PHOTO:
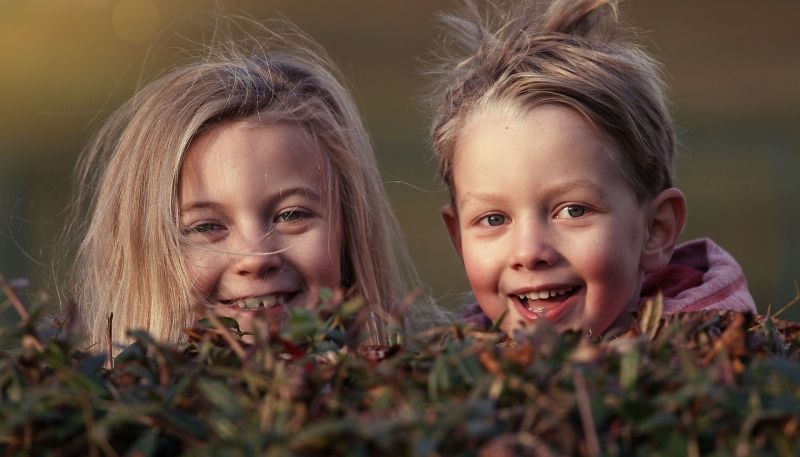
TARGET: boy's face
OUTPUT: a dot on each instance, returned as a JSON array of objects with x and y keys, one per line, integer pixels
[
  {"x": 254, "y": 210},
  {"x": 543, "y": 220}
]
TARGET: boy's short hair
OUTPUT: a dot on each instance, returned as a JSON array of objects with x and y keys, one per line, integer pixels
[{"x": 568, "y": 52}]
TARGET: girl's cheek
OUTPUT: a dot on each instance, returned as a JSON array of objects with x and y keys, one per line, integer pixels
[{"x": 203, "y": 270}]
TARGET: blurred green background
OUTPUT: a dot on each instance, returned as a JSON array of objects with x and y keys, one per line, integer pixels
[{"x": 733, "y": 68}]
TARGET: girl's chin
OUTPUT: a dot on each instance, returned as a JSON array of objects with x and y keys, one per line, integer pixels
[{"x": 262, "y": 320}]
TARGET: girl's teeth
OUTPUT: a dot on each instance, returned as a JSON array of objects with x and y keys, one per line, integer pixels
[{"x": 266, "y": 301}]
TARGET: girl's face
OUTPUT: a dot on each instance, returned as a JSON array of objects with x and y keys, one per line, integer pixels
[
  {"x": 257, "y": 216},
  {"x": 543, "y": 220}
]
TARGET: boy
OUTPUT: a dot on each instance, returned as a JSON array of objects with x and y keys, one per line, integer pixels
[{"x": 556, "y": 145}]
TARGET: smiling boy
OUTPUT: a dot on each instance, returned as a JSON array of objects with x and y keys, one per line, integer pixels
[{"x": 554, "y": 140}]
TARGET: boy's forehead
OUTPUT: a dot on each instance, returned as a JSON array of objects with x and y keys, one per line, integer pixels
[{"x": 553, "y": 145}]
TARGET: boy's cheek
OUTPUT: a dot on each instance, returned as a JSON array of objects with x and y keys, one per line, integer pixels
[
  {"x": 478, "y": 269},
  {"x": 483, "y": 279}
]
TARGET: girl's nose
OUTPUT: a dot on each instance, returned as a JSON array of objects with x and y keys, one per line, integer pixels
[
  {"x": 259, "y": 258},
  {"x": 533, "y": 248}
]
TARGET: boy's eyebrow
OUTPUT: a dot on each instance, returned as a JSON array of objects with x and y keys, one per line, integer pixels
[
  {"x": 566, "y": 186},
  {"x": 307, "y": 192},
  {"x": 556, "y": 189},
  {"x": 485, "y": 196}
]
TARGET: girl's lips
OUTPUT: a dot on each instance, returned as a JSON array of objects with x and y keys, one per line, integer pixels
[
  {"x": 553, "y": 309},
  {"x": 267, "y": 301}
]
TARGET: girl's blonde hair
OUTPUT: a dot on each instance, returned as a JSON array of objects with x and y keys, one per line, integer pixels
[
  {"x": 130, "y": 260},
  {"x": 568, "y": 52}
]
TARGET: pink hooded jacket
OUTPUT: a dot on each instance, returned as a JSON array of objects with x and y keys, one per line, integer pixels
[{"x": 701, "y": 276}]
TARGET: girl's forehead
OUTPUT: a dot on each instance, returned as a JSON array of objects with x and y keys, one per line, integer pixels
[
  {"x": 227, "y": 140},
  {"x": 247, "y": 152}
]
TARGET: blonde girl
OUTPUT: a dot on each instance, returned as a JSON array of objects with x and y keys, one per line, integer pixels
[{"x": 243, "y": 180}]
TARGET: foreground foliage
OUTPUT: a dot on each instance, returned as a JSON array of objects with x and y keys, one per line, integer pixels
[{"x": 696, "y": 384}]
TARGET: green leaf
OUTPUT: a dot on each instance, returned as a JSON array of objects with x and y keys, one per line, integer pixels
[{"x": 221, "y": 396}]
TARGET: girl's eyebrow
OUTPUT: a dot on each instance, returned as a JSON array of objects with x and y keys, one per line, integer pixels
[
  {"x": 304, "y": 191},
  {"x": 307, "y": 192},
  {"x": 197, "y": 206}
]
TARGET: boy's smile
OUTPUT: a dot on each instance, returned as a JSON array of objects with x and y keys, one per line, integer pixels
[
  {"x": 543, "y": 220},
  {"x": 546, "y": 302}
]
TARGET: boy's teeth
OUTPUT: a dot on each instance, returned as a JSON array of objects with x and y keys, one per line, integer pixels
[
  {"x": 544, "y": 294},
  {"x": 266, "y": 301}
]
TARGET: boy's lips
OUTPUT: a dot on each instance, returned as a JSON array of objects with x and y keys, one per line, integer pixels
[{"x": 551, "y": 302}]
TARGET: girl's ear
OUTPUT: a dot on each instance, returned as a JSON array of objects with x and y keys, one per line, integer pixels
[
  {"x": 666, "y": 216},
  {"x": 450, "y": 216}
]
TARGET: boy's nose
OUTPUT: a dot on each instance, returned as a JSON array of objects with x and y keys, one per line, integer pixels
[{"x": 533, "y": 249}]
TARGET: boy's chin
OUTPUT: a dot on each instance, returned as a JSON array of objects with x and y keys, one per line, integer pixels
[
  {"x": 572, "y": 321},
  {"x": 515, "y": 319},
  {"x": 622, "y": 323}
]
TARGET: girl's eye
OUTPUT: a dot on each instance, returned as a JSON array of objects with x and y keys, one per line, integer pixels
[
  {"x": 572, "y": 212},
  {"x": 494, "y": 220},
  {"x": 205, "y": 227},
  {"x": 205, "y": 232},
  {"x": 292, "y": 215}
]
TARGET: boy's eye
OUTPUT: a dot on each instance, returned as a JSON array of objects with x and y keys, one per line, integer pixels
[
  {"x": 494, "y": 220},
  {"x": 292, "y": 215},
  {"x": 572, "y": 212}
]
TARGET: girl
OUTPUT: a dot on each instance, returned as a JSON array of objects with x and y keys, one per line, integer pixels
[{"x": 244, "y": 180}]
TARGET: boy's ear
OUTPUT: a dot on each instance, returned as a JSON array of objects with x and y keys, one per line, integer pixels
[
  {"x": 450, "y": 217},
  {"x": 666, "y": 216}
]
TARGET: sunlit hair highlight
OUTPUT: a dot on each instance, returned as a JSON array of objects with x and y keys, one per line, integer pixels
[
  {"x": 574, "y": 53},
  {"x": 130, "y": 259}
]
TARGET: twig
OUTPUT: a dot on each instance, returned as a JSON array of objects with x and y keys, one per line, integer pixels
[
  {"x": 585, "y": 410},
  {"x": 794, "y": 301},
  {"x": 537, "y": 445},
  {"x": 70, "y": 319},
  {"x": 13, "y": 298},
  {"x": 226, "y": 335},
  {"x": 109, "y": 335}
]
